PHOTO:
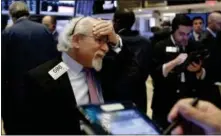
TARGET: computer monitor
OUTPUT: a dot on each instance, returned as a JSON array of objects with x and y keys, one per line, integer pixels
[
  {"x": 60, "y": 25},
  {"x": 104, "y": 6},
  {"x": 57, "y": 7},
  {"x": 6, "y": 3}
]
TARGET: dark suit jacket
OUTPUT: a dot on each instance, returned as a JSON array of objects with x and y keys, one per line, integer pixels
[
  {"x": 50, "y": 104},
  {"x": 167, "y": 90},
  {"x": 132, "y": 78},
  {"x": 25, "y": 45},
  {"x": 116, "y": 82},
  {"x": 213, "y": 63},
  {"x": 191, "y": 37}
]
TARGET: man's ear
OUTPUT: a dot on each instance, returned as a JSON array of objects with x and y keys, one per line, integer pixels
[{"x": 76, "y": 40}]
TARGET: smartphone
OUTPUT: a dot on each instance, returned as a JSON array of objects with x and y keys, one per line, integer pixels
[{"x": 118, "y": 119}]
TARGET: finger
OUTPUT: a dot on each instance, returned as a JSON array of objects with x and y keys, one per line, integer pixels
[
  {"x": 192, "y": 114},
  {"x": 195, "y": 64},
  {"x": 174, "y": 111},
  {"x": 191, "y": 67},
  {"x": 177, "y": 131},
  {"x": 102, "y": 31},
  {"x": 100, "y": 25}
]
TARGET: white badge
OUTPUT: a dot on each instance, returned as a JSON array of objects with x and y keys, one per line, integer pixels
[
  {"x": 171, "y": 49},
  {"x": 58, "y": 70}
]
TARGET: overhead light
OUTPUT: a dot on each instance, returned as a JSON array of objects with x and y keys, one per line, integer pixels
[{"x": 139, "y": 10}]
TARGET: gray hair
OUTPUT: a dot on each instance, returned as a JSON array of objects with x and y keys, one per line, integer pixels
[
  {"x": 18, "y": 9},
  {"x": 66, "y": 36}
]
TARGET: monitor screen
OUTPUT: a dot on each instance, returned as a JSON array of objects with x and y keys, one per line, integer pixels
[
  {"x": 61, "y": 24},
  {"x": 104, "y": 6},
  {"x": 6, "y": 3},
  {"x": 126, "y": 121},
  {"x": 57, "y": 7}
]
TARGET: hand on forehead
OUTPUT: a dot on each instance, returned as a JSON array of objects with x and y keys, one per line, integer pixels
[{"x": 102, "y": 28}]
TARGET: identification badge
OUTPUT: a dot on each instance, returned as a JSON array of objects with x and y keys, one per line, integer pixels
[
  {"x": 171, "y": 49},
  {"x": 58, "y": 70}
]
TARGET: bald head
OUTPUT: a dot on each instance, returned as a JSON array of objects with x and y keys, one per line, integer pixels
[
  {"x": 214, "y": 21},
  {"x": 50, "y": 22}
]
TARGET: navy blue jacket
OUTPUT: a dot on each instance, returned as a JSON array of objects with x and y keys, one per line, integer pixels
[{"x": 25, "y": 45}]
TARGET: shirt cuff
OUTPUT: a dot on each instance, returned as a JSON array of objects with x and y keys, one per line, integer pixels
[
  {"x": 202, "y": 77},
  {"x": 165, "y": 74},
  {"x": 118, "y": 47}
]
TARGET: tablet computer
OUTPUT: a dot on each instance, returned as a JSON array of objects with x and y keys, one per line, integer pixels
[{"x": 118, "y": 118}]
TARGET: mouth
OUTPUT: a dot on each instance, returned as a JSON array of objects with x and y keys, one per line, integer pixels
[{"x": 99, "y": 55}]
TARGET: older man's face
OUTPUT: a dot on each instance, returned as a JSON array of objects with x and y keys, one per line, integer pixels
[{"x": 92, "y": 50}]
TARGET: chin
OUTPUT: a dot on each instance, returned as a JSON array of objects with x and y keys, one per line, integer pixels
[{"x": 97, "y": 63}]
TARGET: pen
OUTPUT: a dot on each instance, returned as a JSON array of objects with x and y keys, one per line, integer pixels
[{"x": 177, "y": 121}]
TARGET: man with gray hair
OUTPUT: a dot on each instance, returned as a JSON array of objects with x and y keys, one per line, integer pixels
[
  {"x": 25, "y": 45},
  {"x": 55, "y": 88}
]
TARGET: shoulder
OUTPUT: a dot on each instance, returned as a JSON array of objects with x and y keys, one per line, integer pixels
[
  {"x": 163, "y": 43},
  {"x": 134, "y": 40},
  {"x": 40, "y": 73}
]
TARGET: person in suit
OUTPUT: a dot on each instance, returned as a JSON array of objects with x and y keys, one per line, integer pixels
[
  {"x": 132, "y": 79},
  {"x": 50, "y": 22},
  {"x": 55, "y": 88},
  {"x": 25, "y": 45},
  {"x": 172, "y": 78},
  {"x": 198, "y": 24},
  {"x": 210, "y": 41}
]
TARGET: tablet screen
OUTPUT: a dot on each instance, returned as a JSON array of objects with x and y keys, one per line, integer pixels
[{"x": 121, "y": 122}]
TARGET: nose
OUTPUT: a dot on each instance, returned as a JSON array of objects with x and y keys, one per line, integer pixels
[{"x": 104, "y": 47}]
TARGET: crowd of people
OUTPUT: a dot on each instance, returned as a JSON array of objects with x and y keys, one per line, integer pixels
[{"x": 45, "y": 75}]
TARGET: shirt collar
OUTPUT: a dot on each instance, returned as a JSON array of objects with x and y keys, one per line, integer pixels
[
  {"x": 20, "y": 19},
  {"x": 121, "y": 30},
  {"x": 196, "y": 35},
  {"x": 74, "y": 66},
  {"x": 54, "y": 32},
  {"x": 172, "y": 39},
  {"x": 211, "y": 32},
  {"x": 174, "y": 42}
]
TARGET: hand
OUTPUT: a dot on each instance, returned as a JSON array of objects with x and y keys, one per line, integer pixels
[
  {"x": 105, "y": 28},
  {"x": 205, "y": 115},
  {"x": 194, "y": 67},
  {"x": 181, "y": 58}
]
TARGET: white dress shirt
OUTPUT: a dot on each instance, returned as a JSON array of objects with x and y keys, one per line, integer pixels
[
  {"x": 77, "y": 79},
  {"x": 211, "y": 31},
  {"x": 196, "y": 36}
]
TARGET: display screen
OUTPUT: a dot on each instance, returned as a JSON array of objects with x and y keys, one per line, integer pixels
[
  {"x": 104, "y": 6},
  {"x": 6, "y": 3},
  {"x": 60, "y": 25},
  {"x": 57, "y": 7},
  {"x": 121, "y": 122}
]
